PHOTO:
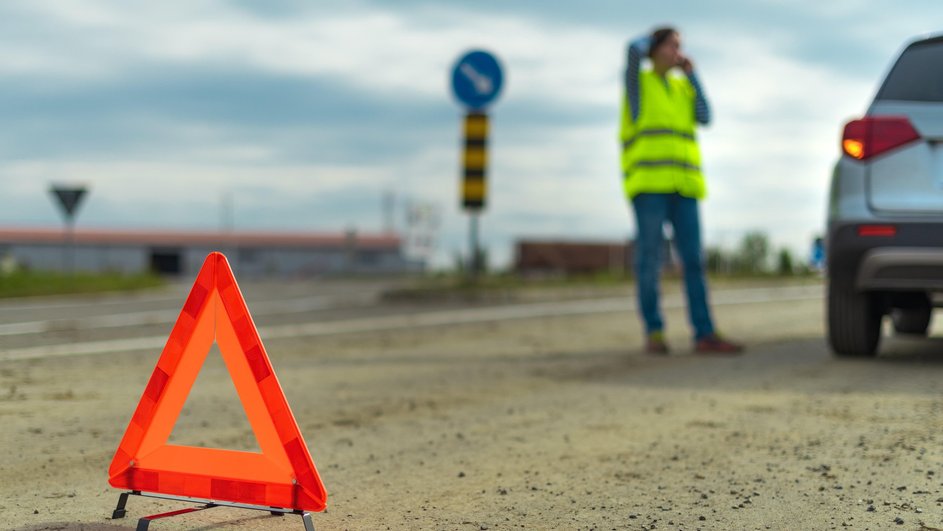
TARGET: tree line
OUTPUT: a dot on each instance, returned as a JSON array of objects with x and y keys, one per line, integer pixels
[{"x": 754, "y": 256}]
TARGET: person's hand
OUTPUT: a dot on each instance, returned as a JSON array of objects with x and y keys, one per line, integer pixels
[{"x": 685, "y": 63}]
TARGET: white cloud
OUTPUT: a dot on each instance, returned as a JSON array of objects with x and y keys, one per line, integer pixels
[
  {"x": 770, "y": 153},
  {"x": 374, "y": 50},
  {"x": 768, "y": 156}
]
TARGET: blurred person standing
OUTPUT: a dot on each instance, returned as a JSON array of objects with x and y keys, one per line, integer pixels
[{"x": 662, "y": 178}]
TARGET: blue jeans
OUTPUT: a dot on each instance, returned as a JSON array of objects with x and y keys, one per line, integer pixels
[{"x": 651, "y": 213}]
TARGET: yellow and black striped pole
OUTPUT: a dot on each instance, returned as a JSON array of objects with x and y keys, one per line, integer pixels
[
  {"x": 475, "y": 161},
  {"x": 474, "y": 184}
]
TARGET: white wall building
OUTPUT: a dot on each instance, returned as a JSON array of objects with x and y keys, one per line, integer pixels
[{"x": 259, "y": 254}]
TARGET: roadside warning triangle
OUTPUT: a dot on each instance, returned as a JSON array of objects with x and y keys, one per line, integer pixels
[{"x": 282, "y": 475}]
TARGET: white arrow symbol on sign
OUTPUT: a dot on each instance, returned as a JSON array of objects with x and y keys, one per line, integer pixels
[{"x": 481, "y": 82}]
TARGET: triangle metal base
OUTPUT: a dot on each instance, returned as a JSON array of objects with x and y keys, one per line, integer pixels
[{"x": 145, "y": 521}]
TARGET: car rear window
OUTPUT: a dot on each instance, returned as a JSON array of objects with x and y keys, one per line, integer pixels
[{"x": 917, "y": 75}]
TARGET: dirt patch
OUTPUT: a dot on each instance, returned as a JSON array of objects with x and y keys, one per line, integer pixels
[{"x": 551, "y": 423}]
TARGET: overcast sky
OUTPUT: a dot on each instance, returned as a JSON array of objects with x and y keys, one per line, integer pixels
[{"x": 306, "y": 112}]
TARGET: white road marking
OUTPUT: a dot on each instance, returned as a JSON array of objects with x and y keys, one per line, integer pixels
[
  {"x": 427, "y": 319},
  {"x": 100, "y": 300},
  {"x": 154, "y": 317}
]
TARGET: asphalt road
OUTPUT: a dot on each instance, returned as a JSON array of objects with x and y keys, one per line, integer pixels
[
  {"x": 36, "y": 329},
  {"x": 540, "y": 414}
]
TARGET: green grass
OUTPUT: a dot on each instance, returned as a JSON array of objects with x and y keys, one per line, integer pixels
[
  {"x": 452, "y": 284},
  {"x": 32, "y": 283},
  {"x": 505, "y": 281},
  {"x": 512, "y": 280}
]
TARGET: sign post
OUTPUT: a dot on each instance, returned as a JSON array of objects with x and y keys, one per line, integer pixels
[
  {"x": 476, "y": 82},
  {"x": 69, "y": 198}
]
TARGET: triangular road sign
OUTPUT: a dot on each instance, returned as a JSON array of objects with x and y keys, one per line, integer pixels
[
  {"x": 282, "y": 475},
  {"x": 69, "y": 198}
]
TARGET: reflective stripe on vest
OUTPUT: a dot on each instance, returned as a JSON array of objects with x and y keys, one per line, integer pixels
[
  {"x": 666, "y": 162},
  {"x": 660, "y": 152},
  {"x": 658, "y": 132}
]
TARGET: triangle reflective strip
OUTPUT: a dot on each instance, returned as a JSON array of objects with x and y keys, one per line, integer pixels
[{"x": 281, "y": 475}]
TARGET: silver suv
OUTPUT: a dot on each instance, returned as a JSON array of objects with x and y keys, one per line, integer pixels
[{"x": 885, "y": 211}]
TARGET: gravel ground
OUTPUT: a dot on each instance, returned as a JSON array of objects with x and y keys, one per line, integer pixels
[{"x": 549, "y": 423}]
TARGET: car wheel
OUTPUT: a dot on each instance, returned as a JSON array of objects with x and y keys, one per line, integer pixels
[
  {"x": 913, "y": 320},
  {"x": 854, "y": 321}
]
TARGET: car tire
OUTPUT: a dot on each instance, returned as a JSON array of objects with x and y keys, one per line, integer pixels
[
  {"x": 913, "y": 320},
  {"x": 854, "y": 321}
]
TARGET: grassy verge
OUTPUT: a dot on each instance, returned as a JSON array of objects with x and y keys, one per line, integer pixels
[
  {"x": 32, "y": 283},
  {"x": 509, "y": 285}
]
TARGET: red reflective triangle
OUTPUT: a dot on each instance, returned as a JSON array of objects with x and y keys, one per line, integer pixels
[{"x": 282, "y": 475}]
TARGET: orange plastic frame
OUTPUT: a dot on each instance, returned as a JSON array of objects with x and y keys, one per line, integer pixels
[{"x": 282, "y": 475}]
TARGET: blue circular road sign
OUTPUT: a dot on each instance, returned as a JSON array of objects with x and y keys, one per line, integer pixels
[{"x": 477, "y": 79}]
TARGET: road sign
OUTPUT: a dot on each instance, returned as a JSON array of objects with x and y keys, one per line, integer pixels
[
  {"x": 477, "y": 79},
  {"x": 475, "y": 161},
  {"x": 69, "y": 198},
  {"x": 476, "y": 82}
]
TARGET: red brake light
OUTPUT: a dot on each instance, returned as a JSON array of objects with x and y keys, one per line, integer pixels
[
  {"x": 885, "y": 231},
  {"x": 873, "y": 135}
]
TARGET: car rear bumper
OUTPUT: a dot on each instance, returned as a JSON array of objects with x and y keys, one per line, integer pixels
[
  {"x": 910, "y": 260},
  {"x": 905, "y": 268}
]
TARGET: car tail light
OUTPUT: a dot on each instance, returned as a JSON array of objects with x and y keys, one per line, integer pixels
[
  {"x": 885, "y": 231},
  {"x": 870, "y": 136}
]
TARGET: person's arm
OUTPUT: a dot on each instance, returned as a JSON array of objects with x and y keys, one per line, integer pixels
[
  {"x": 702, "y": 110},
  {"x": 638, "y": 49}
]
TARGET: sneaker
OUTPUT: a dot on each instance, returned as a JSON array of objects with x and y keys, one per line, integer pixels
[
  {"x": 714, "y": 344},
  {"x": 655, "y": 344}
]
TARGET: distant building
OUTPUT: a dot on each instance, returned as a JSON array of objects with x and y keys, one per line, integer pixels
[
  {"x": 584, "y": 257},
  {"x": 572, "y": 257},
  {"x": 293, "y": 254}
]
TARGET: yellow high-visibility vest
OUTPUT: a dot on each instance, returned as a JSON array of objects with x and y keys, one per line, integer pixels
[{"x": 659, "y": 149}]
